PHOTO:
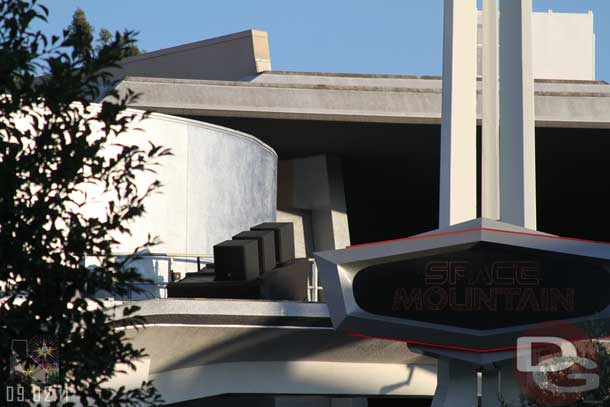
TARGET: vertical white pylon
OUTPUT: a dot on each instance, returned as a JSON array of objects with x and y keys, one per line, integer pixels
[
  {"x": 490, "y": 176},
  {"x": 517, "y": 120},
  {"x": 458, "y": 186}
]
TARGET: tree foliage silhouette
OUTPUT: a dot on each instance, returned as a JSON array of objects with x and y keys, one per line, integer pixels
[
  {"x": 82, "y": 28},
  {"x": 55, "y": 145}
]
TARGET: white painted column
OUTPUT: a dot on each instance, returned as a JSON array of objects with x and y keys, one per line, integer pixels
[
  {"x": 490, "y": 184},
  {"x": 458, "y": 188},
  {"x": 517, "y": 120}
]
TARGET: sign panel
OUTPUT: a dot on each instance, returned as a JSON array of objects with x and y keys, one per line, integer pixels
[
  {"x": 471, "y": 291},
  {"x": 485, "y": 286}
]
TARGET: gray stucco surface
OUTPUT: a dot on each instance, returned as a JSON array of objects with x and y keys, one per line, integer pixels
[
  {"x": 388, "y": 99},
  {"x": 201, "y": 345},
  {"x": 231, "y": 185},
  {"x": 203, "y": 342},
  {"x": 207, "y": 306}
]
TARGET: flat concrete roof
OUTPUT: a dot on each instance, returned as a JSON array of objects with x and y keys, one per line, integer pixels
[
  {"x": 337, "y": 78},
  {"x": 354, "y": 97}
]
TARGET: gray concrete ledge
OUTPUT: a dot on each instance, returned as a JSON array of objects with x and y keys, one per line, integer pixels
[
  {"x": 398, "y": 76},
  {"x": 204, "y": 306},
  {"x": 354, "y": 98}
]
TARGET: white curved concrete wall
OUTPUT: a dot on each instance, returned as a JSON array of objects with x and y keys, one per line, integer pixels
[{"x": 218, "y": 183}]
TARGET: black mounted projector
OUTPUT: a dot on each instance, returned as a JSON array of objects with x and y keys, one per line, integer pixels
[{"x": 284, "y": 239}]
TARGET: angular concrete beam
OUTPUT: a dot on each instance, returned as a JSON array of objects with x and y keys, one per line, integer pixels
[
  {"x": 517, "y": 118},
  {"x": 229, "y": 57},
  {"x": 458, "y": 184},
  {"x": 490, "y": 186}
]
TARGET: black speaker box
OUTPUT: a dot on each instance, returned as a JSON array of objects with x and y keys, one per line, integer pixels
[
  {"x": 284, "y": 239},
  {"x": 266, "y": 246},
  {"x": 236, "y": 260},
  {"x": 287, "y": 283},
  {"x": 203, "y": 288}
]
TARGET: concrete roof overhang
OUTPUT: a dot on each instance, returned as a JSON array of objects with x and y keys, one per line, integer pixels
[
  {"x": 238, "y": 330},
  {"x": 340, "y": 268},
  {"x": 205, "y": 347},
  {"x": 360, "y": 98}
]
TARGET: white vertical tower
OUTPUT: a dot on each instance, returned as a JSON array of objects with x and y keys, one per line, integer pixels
[
  {"x": 490, "y": 183},
  {"x": 517, "y": 120},
  {"x": 508, "y": 153},
  {"x": 458, "y": 183}
]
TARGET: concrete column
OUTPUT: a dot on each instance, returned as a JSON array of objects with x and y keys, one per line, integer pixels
[
  {"x": 458, "y": 188},
  {"x": 338, "y": 207},
  {"x": 510, "y": 392},
  {"x": 517, "y": 120},
  {"x": 490, "y": 185},
  {"x": 457, "y": 384},
  {"x": 490, "y": 389},
  {"x": 315, "y": 184},
  {"x": 303, "y": 235}
]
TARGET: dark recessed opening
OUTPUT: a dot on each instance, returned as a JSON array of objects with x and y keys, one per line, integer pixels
[
  {"x": 391, "y": 173},
  {"x": 573, "y": 182}
]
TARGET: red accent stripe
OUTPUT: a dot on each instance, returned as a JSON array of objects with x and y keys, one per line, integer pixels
[
  {"x": 478, "y": 230},
  {"x": 452, "y": 347}
]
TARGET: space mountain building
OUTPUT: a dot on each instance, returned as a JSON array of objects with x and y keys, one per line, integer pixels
[{"x": 316, "y": 226}]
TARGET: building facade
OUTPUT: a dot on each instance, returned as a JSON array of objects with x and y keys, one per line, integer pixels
[{"x": 347, "y": 159}]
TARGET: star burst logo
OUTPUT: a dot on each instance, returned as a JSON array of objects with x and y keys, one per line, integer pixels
[{"x": 36, "y": 360}]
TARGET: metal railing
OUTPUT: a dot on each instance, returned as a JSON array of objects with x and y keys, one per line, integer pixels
[
  {"x": 313, "y": 284},
  {"x": 172, "y": 259}
]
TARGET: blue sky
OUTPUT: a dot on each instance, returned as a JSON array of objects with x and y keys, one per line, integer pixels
[{"x": 359, "y": 36}]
